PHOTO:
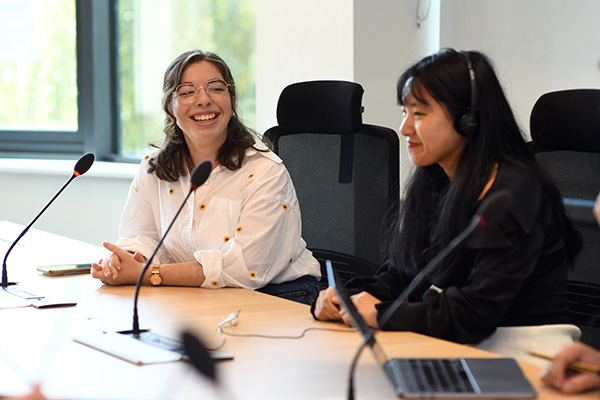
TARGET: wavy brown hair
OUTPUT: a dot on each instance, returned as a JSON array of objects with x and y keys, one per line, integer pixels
[{"x": 172, "y": 160}]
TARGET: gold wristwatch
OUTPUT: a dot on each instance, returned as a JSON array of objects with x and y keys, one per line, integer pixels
[{"x": 155, "y": 278}]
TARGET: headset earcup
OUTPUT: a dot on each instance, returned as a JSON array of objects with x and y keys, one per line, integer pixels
[
  {"x": 468, "y": 124},
  {"x": 462, "y": 125}
]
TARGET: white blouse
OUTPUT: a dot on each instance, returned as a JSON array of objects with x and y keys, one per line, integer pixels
[{"x": 242, "y": 226}]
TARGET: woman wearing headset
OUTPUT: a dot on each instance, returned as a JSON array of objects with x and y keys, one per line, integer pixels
[{"x": 466, "y": 146}]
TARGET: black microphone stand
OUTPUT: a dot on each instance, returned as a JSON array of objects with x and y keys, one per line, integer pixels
[
  {"x": 408, "y": 291},
  {"x": 198, "y": 177},
  {"x": 81, "y": 167},
  {"x": 490, "y": 209},
  {"x": 140, "y": 346}
]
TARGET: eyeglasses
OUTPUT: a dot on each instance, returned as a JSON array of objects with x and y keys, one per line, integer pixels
[{"x": 188, "y": 92}]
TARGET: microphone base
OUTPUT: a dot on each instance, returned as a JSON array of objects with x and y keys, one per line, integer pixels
[
  {"x": 14, "y": 289},
  {"x": 165, "y": 343},
  {"x": 145, "y": 336},
  {"x": 140, "y": 349},
  {"x": 127, "y": 347}
]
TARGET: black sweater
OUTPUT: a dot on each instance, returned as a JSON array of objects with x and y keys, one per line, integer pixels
[{"x": 516, "y": 274}]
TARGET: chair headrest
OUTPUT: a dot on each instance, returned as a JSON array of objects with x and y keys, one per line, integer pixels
[
  {"x": 567, "y": 120},
  {"x": 321, "y": 107}
]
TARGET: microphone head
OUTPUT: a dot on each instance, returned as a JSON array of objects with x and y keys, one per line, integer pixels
[
  {"x": 84, "y": 164},
  {"x": 200, "y": 173},
  {"x": 493, "y": 207},
  {"x": 199, "y": 356}
]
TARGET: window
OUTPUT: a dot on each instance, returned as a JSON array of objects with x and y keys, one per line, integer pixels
[
  {"x": 87, "y": 75},
  {"x": 38, "y": 73},
  {"x": 153, "y": 32}
]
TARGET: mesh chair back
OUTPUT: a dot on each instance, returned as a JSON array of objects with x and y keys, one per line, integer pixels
[
  {"x": 565, "y": 129},
  {"x": 345, "y": 172}
]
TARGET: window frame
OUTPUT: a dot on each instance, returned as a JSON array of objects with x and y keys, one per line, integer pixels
[{"x": 97, "y": 78}]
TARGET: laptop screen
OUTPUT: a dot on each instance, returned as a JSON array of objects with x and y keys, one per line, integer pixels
[
  {"x": 484, "y": 376},
  {"x": 358, "y": 322}
]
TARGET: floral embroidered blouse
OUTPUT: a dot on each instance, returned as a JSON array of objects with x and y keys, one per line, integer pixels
[{"x": 243, "y": 227}]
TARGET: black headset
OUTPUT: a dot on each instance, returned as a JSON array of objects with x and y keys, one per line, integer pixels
[{"x": 467, "y": 124}]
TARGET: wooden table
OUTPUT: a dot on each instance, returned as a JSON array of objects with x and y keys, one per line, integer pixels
[{"x": 37, "y": 345}]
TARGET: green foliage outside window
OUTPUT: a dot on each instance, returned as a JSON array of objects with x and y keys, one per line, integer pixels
[
  {"x": 225, "y": 27},
  {"x": 38, "y": 78},
  {"x": 38, "y": 61}
]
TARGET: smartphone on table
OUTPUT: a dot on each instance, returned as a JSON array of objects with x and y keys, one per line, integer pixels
[{"x": 65, "y": 269}]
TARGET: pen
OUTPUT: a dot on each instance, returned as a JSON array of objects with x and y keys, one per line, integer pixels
[{"x": 574, "y": 365}]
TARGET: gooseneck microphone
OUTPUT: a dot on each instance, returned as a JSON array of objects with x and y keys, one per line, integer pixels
[
  {"x": 140, "y": 346},
  {"x": 200, "y": 357},
  {"x": 81, "y": 167},
  {"x": 488, "y": 212},
  {"x": 198, "y": 177}
]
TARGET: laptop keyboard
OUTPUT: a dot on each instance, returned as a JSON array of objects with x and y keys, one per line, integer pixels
[{"x": 435, "y": 375}]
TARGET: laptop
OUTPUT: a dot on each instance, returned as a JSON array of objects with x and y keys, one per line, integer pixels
[{"x": 445, "y": 378}]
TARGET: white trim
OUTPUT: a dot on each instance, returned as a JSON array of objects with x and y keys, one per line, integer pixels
[{"x": 99, "y": 169}]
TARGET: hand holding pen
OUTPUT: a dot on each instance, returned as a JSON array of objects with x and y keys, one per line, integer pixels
[{"x": 575, "y": 357}]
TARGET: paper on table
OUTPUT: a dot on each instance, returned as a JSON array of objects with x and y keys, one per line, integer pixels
[{"x": 8, "y": 300}]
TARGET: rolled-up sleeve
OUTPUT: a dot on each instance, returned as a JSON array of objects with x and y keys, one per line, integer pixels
[
  {"x": 261, "y": 233},
  {"x": 243, "y": 227}
]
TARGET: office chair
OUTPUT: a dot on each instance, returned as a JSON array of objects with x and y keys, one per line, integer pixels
[
  {"x": 565, "y": 131},
  {"x": 345, "y": 172}
]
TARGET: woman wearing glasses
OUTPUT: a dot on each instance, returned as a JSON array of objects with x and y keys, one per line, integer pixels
[{"x": 239, "y": 229}]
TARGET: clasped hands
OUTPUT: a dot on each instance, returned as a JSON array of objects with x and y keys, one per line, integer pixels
[
  {"x": 119, "y": 267},
  {"x": 328, "y": 307}
]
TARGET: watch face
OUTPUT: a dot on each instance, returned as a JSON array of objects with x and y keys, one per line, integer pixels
[{"x": 155, "y": 279}]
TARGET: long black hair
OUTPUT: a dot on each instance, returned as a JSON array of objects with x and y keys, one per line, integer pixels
[{"x": 434, "y": 211}]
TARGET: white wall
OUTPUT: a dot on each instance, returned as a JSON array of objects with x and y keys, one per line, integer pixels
[
  {"x": 357, "y": 40},
  {"x": 299, "y": 41},
  {"x": 537, "y": 46},
  {"x": 88, "y": 209},
  {"x": 387, "y": 39}
]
